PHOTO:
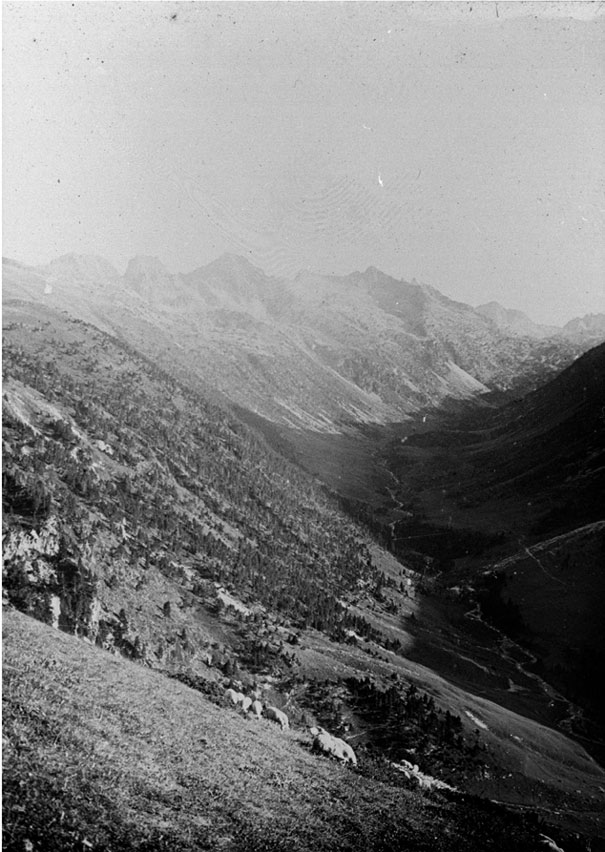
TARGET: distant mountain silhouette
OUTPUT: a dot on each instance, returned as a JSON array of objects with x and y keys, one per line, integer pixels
[
  {"x": 516, "y": 322},
  {"x": 587, "y": 329}
]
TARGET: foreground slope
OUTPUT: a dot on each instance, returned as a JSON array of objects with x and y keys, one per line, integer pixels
[{"x": 100, "y": 753}]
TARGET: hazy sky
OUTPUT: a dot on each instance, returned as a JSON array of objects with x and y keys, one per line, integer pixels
[{"x": 458, "y": 143}]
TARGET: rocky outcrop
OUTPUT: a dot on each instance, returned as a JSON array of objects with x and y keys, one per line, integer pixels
[{"x": 41, "y": 578}]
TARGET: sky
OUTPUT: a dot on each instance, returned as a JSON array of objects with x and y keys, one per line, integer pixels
[{"x": 461, "y": 144}]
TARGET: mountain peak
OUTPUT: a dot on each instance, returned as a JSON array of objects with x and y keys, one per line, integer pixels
[
  {"x": 147, "y": 276},
  {"x": 147, "y": 266},
  {"x": 372, "y": 273},
  {"x": 377, "y": 276},
  {"x": 590, "y": 327},
  {"x": 491, "y": 306},
  {"x": 232, "y": 263},
  {"x": 229, "y": 270},
  {"x": 515, "y": 322},
  {"x": 91, "y": 267}
]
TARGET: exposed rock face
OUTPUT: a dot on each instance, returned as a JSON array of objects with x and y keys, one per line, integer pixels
[
  {"x": 29, "y": 570},
  {"x": 40, "y": 576},
  {"x": 69, "y": 587}
]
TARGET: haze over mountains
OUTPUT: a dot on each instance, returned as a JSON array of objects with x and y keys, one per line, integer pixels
[{"x": 312, "y": 352}]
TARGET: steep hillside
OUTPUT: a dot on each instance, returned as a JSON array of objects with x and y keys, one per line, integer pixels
[
  {"x": 116, "y": 477},
  {"x": 101, "y": 754},
  {"x": 314, "y": 352},
  {"x": 535, "y": 464},
  {"x": 502, "y": 504}
]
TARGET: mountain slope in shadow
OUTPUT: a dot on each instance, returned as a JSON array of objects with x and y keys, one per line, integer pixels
[
  {"x": 511, "y": 501},
  {"x": 537, "y": 461}
]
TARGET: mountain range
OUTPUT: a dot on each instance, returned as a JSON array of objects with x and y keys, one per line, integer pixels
[
  {"x": 361, "y": 499},
  {"x": 589, "y": 328},
  {"x": 313, "y": 352}
]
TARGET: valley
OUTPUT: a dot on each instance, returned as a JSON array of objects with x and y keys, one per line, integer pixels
[
  {"x": 361, "y": 498},
  {"x": 497, "y": 502}
]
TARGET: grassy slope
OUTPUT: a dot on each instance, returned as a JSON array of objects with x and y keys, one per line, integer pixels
[{"x": 102, "y": 753}]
